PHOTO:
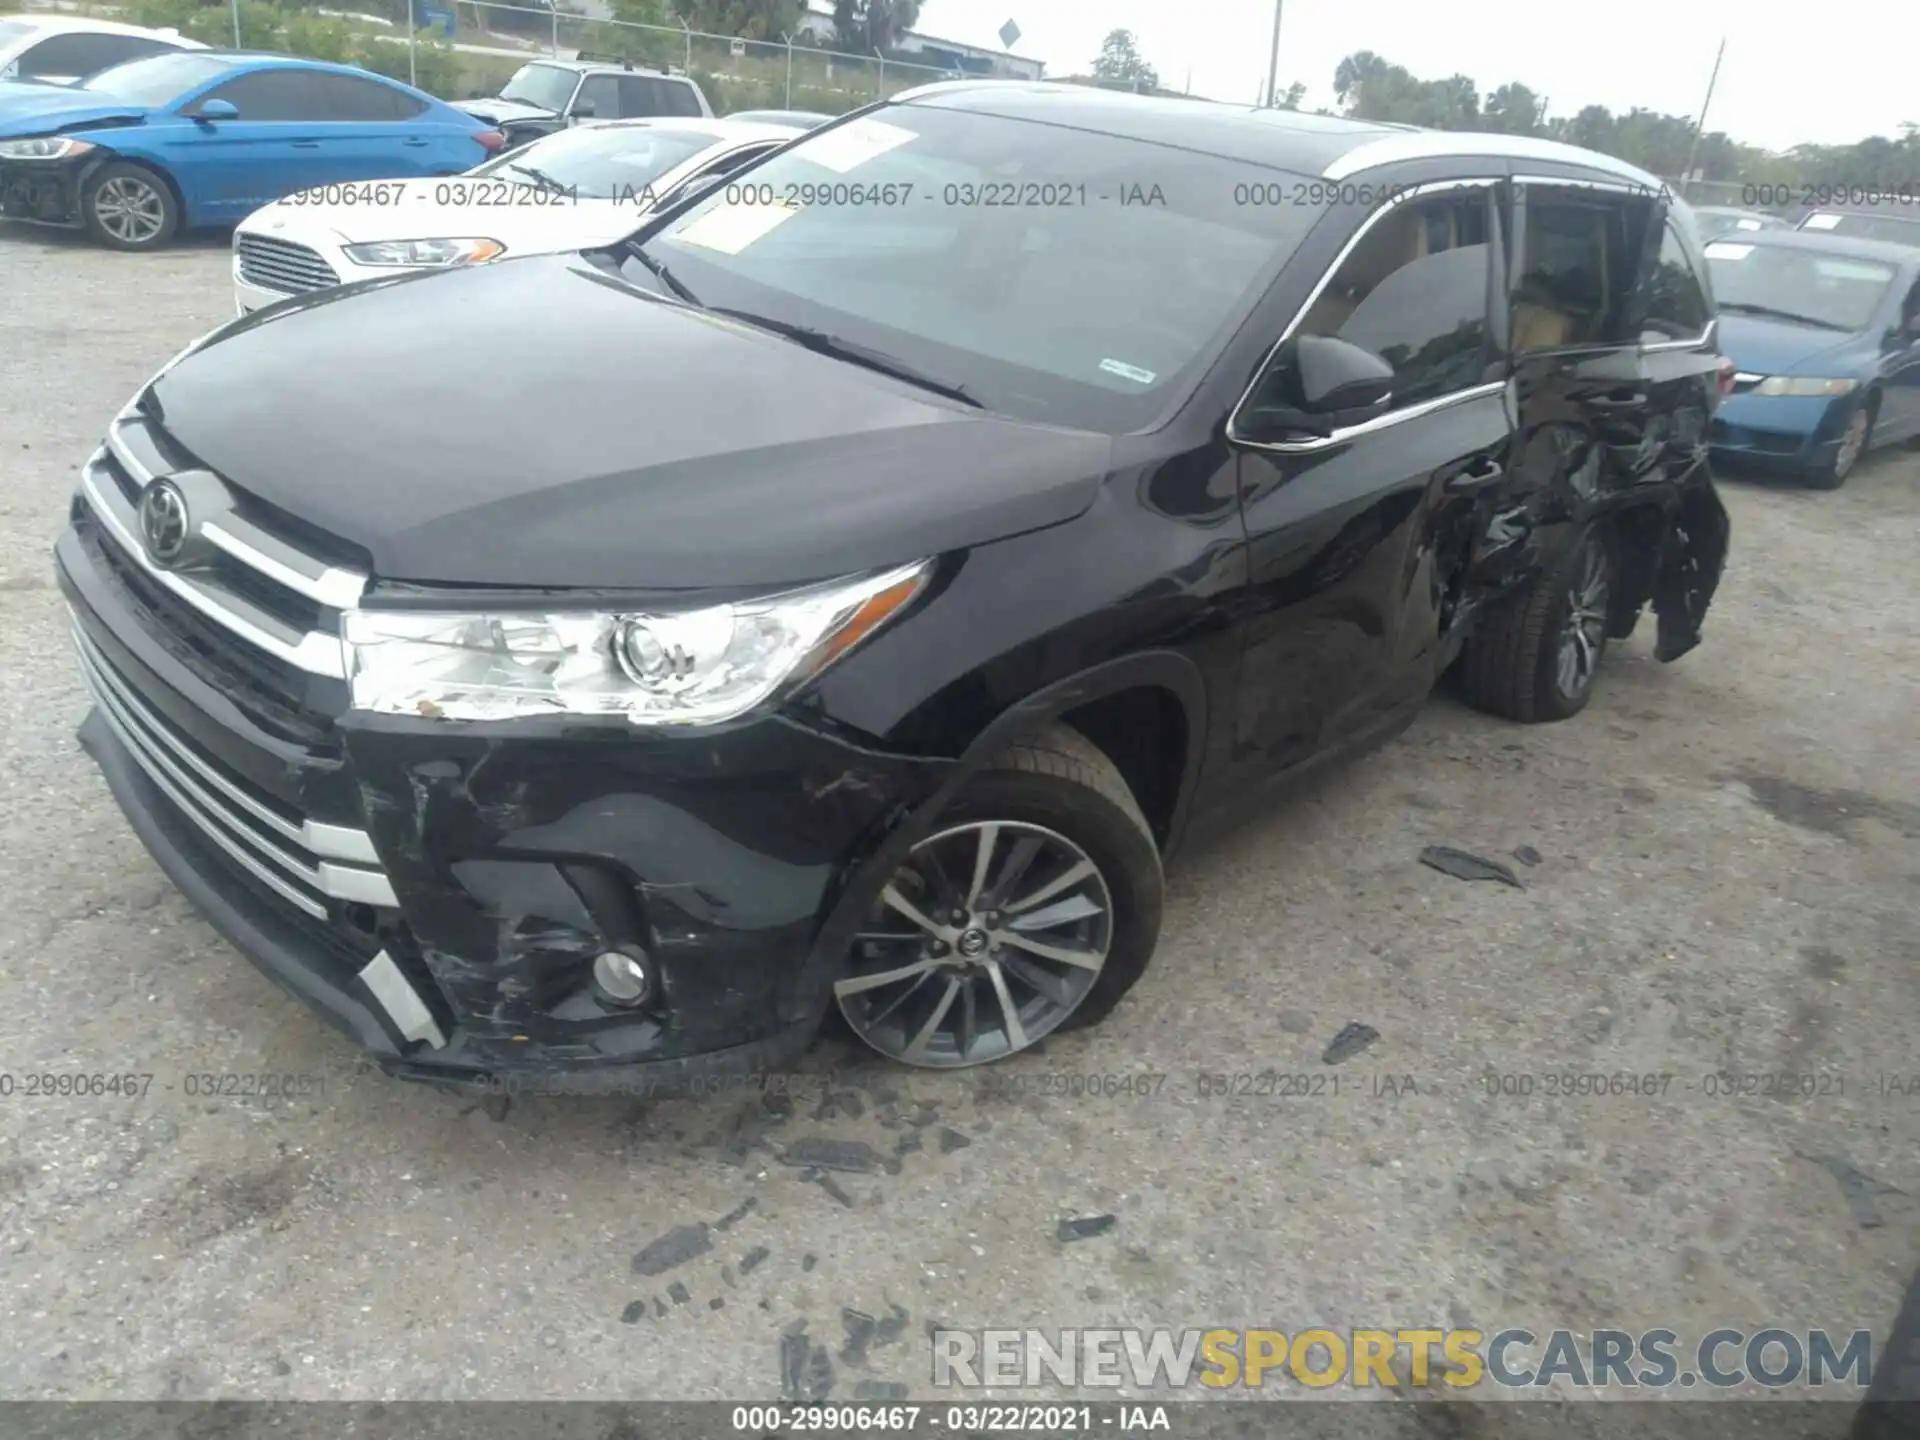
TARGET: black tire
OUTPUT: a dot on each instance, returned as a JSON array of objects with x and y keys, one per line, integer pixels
[
  {"x": 116, "y": 194},
  {"x": 1512, "y": 665},
  {"x": 1059, "y": 782},
  {"x": 1833, "y": 474}
]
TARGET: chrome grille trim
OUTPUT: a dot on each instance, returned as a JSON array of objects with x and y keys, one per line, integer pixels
[
  {"x": 282, "y": 265},
  {"x": 248, "y": 543},
  {"x": 242, "y": 825},
  {"x": 318, "y": 652}
]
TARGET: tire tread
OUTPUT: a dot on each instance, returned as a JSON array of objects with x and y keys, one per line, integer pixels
[{"x": 1064, "y": 753}]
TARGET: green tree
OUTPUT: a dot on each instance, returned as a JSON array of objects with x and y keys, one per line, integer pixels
[
  {"x": 1119, "y": 61},
  {"x": 641, "y": 12},
  {"x": 864, "y": 26},
  {"x": 1291, "y": 97},
  {"x": 1513, "y": 109}
]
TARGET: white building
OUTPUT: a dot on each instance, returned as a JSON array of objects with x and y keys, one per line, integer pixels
[{"x": 817, "y": 25}]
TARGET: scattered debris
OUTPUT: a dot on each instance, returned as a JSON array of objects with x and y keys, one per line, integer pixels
[
  {"x": 1352, "y": 1039},
  {"x": 678, "y": 1293},
  {"x": 794, "y": 1349},
  {"x": 860, "y": 1327},
  {"x": 908, "y": 1142},
  {"x": 832, "y": 1187},
  {"x": 734, "y": 1216},
  {"x": 1859, "y": 1188},
  {"x": 818, "y": 1383},
  {"x": 809, "y": 1260},
  {"x": 496, "y": 1106},
  {"x": 854, "y": 1156},
  {"x": 777, "y": 1104},
  {"x": 726, "y": 1277},
  {"x": 1526, "y": 854},
  {"x": 1295, "y": 1022},
  {"x": 1463, "y": 866},
  {"x": 893, "y": 1327},
  {"x": 659, "y": 1307},
  {"x": 718, "y": 1302},
  {"x": 635, "y": 1312},
  {"x": 676, "y": 1247},
  {"x": 925, "y": 1114},
  {"x": 751, "y": 1260},
  {"x": 852, "y": 1103},
  {"x": 952, "y": 1140},
  {"x": 879, "y": 1390},
  {"x": 1084, "y": 1229}
]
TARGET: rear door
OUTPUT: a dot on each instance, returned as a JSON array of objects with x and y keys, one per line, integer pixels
[
  {"x": 1345, "y": 606},
  {"x": 368, "y": 130},
  {"x": 642, "y": 95}
]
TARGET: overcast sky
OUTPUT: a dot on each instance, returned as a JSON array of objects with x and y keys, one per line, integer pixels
[{"x": 1789, "y": 75}]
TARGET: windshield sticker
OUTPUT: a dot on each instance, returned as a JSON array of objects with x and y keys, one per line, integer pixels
[
  {"x": 1725, "y": 250},
  {"x": 732, "y": 228},
  {"x": 1820, "y": 222},
  {"x": 1127, "y": 372},
  {"x": 847, "y": 147}
]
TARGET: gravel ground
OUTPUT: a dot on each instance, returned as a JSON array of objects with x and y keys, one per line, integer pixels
[{"x": 1727, "y": 880}]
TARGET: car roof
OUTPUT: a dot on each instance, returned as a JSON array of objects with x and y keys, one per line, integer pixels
[
  {"x": 1330, "y": 147},
  {"x": 1820, "y": 242},
  {"x": 618, "y": 68},
  {"x": 70, "y": 24},
  {"x": 273, "y": 60}
]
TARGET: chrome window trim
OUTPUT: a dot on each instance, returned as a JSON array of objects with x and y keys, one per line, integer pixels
[
  {"x": 1587, "y": 182},
  {"x": 1472, "y": 146},
  {"x": 1392, "y": 417}
]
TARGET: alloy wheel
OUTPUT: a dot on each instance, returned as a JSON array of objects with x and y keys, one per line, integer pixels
[
  {"x": 1584, "y": 631},
  {"x": 130, "y": 210},
  {"x": 985, "y": 940},
  {"x": 1852, "y": 442}
]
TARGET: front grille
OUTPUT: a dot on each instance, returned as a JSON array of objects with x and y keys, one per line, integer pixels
[
  {"x": 304, "y": 862},
  {"x": 282, "y": 265}
]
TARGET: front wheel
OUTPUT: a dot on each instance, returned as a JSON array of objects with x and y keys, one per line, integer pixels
[
  {"x": 1535, "y": 659},
  {"x": 1034, "y": 905},
  {"x": 129, "y": 207},
  {"x": 1853, "y": 444}
]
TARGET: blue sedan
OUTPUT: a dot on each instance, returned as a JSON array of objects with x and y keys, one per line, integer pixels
[
  {"x": 205, "y": 137},
  {"x": 1824, "y": 335}
]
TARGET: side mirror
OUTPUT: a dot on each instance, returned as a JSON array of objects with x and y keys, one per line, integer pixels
[
  {"x": 582, "y": 110},
  {"x": 211, "y": 110},
  {"x": 1337, "y": 377}
]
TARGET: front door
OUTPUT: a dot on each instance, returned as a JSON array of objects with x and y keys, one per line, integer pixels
[{"x": 1343, "y": 613}]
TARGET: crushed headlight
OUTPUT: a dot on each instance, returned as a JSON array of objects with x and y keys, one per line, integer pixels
[
  {"x": 1803, "y": 385},
  {"x": 470, "y": 250},
  {"x": 44, "y": 147},
  {"x": 693, "y": 667}
]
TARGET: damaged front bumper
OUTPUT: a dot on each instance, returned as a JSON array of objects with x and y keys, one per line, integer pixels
[
  {"x": 460, "y": 880},
  {"x": 42, "y": 192}
]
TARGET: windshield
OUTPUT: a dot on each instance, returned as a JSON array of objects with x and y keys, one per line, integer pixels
[
  {"x": 1057, "y": 274},
  {"x": 1836, "y": 291},
  {"x": 1897, "y": 228},
  {"x": 158, "y": 79},
  {"x": 547, "y": 86},
  {"x": 599, "y": 162}
]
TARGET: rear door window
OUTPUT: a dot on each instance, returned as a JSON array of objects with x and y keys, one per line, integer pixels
[
  {"x": 1577, "y": 268},
  {"x": 346, "y": 97},
  {"x": 656, "y": 95},
  {"x": 1675, "y": 305}
]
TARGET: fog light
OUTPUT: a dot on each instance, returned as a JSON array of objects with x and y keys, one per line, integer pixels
[{"x": 624, "y": 976}]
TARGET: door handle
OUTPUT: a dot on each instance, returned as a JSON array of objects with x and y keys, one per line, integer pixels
[
  {"x": 1476, "y": 476},
  {"x": 1619, "y": 400},
  {"x": 306, "y": 144},
  {"x": 416, "y": 143}
]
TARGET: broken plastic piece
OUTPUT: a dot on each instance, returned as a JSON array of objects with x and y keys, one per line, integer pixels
[
  {"x": 1352, "y": 1039},
  {"x": 854, "y": 1156},
  {"x": 1526, "y": 854},
  {"x": 676, "y": 1247},
  {"x": 1085, "y": 1228},
  {"x": 1464, "y": 866}
]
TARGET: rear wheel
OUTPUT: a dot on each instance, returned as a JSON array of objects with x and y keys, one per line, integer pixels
[
  {"x": 1536, "y": 659},
  {"x": 1853, "y": 444},
  {"x": 1033, "y": 906},
  {"x": 129, "y": 207}
]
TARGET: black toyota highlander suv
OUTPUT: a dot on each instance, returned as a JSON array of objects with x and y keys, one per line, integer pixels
[{"x": 875, "y": 566}]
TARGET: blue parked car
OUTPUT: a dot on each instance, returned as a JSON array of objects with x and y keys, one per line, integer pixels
[
  {"x": 205, "y": 137},
  {"x": 1824, "y": 335}
]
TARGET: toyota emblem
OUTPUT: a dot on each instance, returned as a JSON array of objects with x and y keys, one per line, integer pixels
[{"x": 165, "y": 525}]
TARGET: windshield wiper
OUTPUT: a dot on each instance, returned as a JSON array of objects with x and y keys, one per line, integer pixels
[
  {"x": 821, "y": 343},
  {"x": 660, "y": 272},
  {"x": 1741, "y": 307},
  {"x": 540, "y": 177}
]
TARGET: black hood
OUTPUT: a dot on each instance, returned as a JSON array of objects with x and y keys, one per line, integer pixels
[{"x": 539, "y": 422}]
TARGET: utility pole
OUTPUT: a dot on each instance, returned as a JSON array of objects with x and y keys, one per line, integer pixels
[
  {"x": 1700, "y": 125},
  {"x": 1273, "y": 57}
]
